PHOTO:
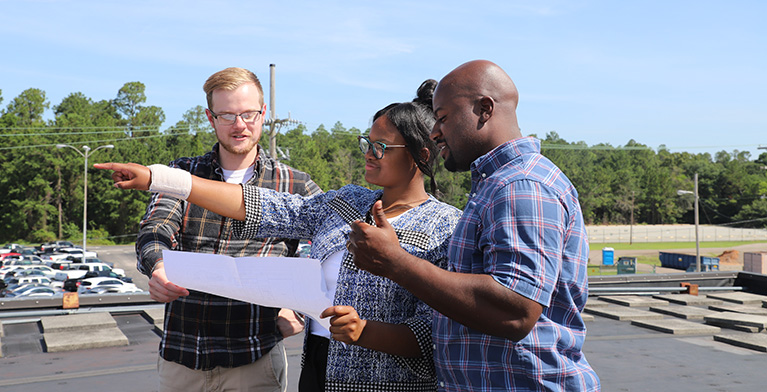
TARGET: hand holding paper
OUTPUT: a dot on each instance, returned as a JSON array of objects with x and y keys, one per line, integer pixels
[{"x": 280, "y": 282}]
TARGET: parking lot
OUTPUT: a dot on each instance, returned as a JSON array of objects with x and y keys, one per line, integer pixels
[{"x": 50, "y": 271}]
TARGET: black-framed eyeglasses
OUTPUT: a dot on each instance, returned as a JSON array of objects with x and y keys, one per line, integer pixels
[
  {"x": 231, "y": 118},
  {"x": 378, "y": 147}
]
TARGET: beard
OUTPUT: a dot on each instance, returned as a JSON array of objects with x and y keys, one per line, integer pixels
[
  {"x": 239, "y": 150},
  {"x": 450, "y": 164}
]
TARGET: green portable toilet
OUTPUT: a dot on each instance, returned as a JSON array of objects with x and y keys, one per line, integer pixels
[{"x": 627, "y": 265}]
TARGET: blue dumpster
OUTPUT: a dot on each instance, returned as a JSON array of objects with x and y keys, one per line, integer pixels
[
  {"x": 687, "y": 262},
  {"x": 608, "y": 256}
]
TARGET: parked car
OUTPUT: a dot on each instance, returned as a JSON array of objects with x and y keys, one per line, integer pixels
[
  {"x": 35, "y": 259},
  {"x": 50, "y": 247},
  {"x": 17, "y": 283},
  {"x": 88, "y": 259},
  {"x": 104, "y": 284},
  {"x": 4, "y": 256},
  {"x": 15, "y": 261},
  {"x": 42, "y": 269},
  {"x": 32, "y": 279},
  {"x": 35, "y": 291},
  {"x": 63, "y": 254},
  {"x": 79, "y": 270},
  {"x": 6, "y": 273},
  {"x": 17, "y": 289}
]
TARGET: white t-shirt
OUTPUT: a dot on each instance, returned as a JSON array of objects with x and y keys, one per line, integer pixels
[{"x": 239, "y": 176}]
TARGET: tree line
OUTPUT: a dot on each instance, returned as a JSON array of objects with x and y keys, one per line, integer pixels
[{"x": 41, "y": 186}]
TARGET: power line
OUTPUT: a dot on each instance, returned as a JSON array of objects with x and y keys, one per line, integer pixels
[{"x": 94, "y": 141}]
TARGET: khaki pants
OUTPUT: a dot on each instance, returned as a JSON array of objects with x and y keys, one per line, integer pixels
[{"x": 268, "y": 374}]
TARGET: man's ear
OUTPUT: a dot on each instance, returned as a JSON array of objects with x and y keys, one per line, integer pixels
[
  {"x": 209, "y": 114},
  {"x": 486, "y": 106}
]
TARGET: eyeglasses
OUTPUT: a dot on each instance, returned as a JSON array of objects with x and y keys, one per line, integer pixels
[
  {"x": 231, "y": 118},
  {"x": 378, "y": 147}
]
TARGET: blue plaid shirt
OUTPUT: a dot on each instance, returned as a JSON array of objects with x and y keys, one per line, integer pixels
[{"x": 523, "y": 226}]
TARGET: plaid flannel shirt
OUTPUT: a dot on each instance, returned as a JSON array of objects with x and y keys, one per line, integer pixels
[
  {"x": 203, "y": 331},
  {"x": 523, "y": 226}
]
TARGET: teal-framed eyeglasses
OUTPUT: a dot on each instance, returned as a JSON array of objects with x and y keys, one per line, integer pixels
[
  {"x": 231, "y": 118},
  {"x": 378, "y": 147}
]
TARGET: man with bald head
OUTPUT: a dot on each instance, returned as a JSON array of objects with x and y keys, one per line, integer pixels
[{"x": 509, "y": 304}]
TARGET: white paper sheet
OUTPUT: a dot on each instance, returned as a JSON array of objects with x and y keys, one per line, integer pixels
[{"x": 280, "y": 282}]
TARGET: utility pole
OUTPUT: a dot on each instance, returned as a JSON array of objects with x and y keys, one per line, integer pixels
[
  {"x": 697, "y": 220},
  {"x": 273, "y": 122},
  {"x": 697, "y": 229},
  {"x": 631, "y": 228}
]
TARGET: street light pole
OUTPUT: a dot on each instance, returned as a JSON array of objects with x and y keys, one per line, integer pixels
[
  {"x": 85, "y": 155},
  {"x": 697, "y": 221},
  {"x": 697, "y": 229}
]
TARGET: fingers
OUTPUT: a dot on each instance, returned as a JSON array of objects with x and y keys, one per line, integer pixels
[
  {"x": 162, "y": 290},
  {"x": 379, "y": 216},
  {"x": 128, "y": 175},
  {"x": 336, "y": 311},
  {"x": 108, "y": 166},
  {"x": 345, "y": 324},
  {"x": 288, "y": 323},
  {"x": 167, "y": 292}
]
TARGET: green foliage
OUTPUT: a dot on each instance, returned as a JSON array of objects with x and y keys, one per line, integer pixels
[{"x": 41, "y": 189}]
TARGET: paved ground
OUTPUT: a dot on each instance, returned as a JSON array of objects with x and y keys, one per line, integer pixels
[
  {"x": 627, "y": 357},
  {"x": 25, "y": 367}
]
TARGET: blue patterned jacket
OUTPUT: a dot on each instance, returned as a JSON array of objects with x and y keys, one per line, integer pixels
[{"x": 424, "y": 231}]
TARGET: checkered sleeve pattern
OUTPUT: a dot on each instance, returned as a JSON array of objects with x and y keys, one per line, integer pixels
[
  {"x": 249, "y": 227},
  {"x": 325, "y": 219}
]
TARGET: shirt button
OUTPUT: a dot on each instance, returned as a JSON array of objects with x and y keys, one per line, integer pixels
[
  {"x": 434, "y": 346},
  {"x": 484, "y": 175},
  {"x": 442, "y": 384},
  {"x": 474, "y": 194}
]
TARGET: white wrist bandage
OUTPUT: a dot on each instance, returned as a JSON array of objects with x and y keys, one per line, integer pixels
[{"x": 170, "y": 181}]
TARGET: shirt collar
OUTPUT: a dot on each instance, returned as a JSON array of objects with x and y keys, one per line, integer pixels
[{"x": 487, "y": 164}]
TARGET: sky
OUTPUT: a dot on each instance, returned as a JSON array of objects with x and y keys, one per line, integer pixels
[{"x": 690, "y": 75}]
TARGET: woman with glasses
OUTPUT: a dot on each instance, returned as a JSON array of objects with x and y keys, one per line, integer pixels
[{"x": 380, "y": 334}]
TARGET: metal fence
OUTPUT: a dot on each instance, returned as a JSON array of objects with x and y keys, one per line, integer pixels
[{"x": 671, "y": 233}]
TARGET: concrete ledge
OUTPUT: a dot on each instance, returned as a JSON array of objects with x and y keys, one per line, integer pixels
[
  {"x": 587, "y": 317},
  {"x": 756, "y": 342},
  {"x": 737, "y": 308},
  {"x": 685, "y": 312},
  {"x": 737, "y": 319},
  {"x": 78, "y": 322},
  {"x": 70, "y": 341},
  {"x": 735, "y": 327},
  {"x": 687, "y": 299},
  {"x": 596, "y": 303},
  {"x": 624, "y": 314},
  {"x": 155, "y": 315},
  {"x": 739, "y": 297},
  {"x": 677, "y": 327},
  {"x": 633, "y": 300}
]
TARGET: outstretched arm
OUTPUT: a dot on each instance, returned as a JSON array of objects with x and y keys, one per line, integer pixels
[{"x": 220, "y": 197}]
